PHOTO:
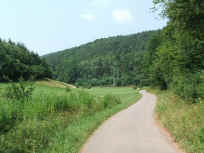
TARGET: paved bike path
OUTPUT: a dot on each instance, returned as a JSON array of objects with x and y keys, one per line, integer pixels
[{"x": 131, "y": 131}]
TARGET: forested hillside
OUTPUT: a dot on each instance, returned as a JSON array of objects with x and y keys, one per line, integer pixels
[
  {"x": 172, "y": 58},
  {"x": 110, "y": 61},
  {"x": 16, "y": 62}
]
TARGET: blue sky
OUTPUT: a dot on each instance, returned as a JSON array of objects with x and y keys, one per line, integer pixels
[{"x": 46, "y": 26}]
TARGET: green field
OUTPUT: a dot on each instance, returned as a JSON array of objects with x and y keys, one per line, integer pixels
[
  {"x": 56, "y": 120},
  {"x": 126, "y": 94}
]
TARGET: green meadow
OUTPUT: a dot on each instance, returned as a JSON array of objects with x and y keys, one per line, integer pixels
[{"x": 56, "y": 118}]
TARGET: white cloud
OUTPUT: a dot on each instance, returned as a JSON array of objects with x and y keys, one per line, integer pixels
[
  {"x": 122, "y": 15},
  {"x": 93, "y": 8},
  {"x": 88, "y": 16}
]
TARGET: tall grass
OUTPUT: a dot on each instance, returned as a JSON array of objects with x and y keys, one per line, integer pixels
[
  {"x": 54, "y": 120},
  {"x": 183, "y": 119}
]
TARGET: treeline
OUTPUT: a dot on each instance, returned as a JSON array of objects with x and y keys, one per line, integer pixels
[
  {"x": 175, "y": 58},
  {"x": 114, "y": 61},
  {"x": 172, "y": 58},
  {"x": 16, "y": 62}
]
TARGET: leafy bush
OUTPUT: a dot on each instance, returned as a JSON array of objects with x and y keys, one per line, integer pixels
[
  {"x": 189, "y": 86},
  {"x": 8, "y": 116},
  {"x": 29, "y": 136},
  {"x": 109, "y": 101},
  {"x": 19, "y": 91}
]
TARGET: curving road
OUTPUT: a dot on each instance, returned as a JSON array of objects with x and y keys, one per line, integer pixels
[{"x": 131, "y": 131}]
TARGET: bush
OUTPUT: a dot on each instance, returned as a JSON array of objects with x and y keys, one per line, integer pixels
[
  {"x": 28, "y": 137},
  {"x": 189, "y": 86},
  {"x": 109, "y": 101},
  {"x": 19, "y": 91},
  {"x": 8, "y": 116}
]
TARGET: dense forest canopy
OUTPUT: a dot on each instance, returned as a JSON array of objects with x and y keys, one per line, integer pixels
[
  {"x": 176, "y": 56},
  {"x": 16, "y": 62},
  {"x": 110, "y": 61}
]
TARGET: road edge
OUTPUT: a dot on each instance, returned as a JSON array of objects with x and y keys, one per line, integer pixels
[
  {"x": 167, "y": 135},
  {"x": 86, "y": 142}
]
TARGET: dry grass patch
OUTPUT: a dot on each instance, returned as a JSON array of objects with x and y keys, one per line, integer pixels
[{"x": 53, "y": 83}]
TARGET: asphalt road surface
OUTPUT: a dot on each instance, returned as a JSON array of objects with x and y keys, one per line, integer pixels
[{"x": 131, "y": 131}]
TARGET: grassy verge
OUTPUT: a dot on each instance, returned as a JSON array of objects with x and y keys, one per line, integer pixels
[
  {"x": 183, "y": 119},
  {"x": 57, "y": 121}
]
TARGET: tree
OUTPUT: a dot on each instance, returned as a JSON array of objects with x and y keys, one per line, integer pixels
[{"x": 17, "y": 61}]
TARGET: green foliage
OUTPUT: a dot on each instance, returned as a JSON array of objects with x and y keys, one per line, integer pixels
[
  {"x": 200, "y": 134},
  {"x": 175, "y": 57},
  {"x": 110, "y": 100},
  {"x": 17, "y": 61},
  {"x": 20, "y": 91},
  {"x": 8, "y": 116},
  {"x": 183, "y": 120},
  {"x": 55, "y": 119},
  {"x": 27, "y": 137},
  {"x": 114, "y": 61}
]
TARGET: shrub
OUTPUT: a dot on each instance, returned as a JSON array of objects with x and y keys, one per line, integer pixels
[
  {"x": 19, "y": 91},
  {"x": 29, "y": 136},
  {"x": 188, "y": 86},
  {"x": 109, "y": 101},
  {"x": 8, "y": 115}
]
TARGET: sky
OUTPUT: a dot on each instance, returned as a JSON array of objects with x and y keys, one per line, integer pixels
[{"x": 46, "y": 26}]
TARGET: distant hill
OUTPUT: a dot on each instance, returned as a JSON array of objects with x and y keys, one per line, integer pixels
[{"x": 108, "y": 61}]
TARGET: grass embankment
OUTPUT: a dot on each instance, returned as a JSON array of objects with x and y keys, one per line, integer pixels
[
  {"x": 184, "y": 120},
  {"x": 54, "y": 83},
  {"x": 57, "y": 121}
]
